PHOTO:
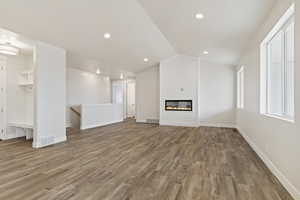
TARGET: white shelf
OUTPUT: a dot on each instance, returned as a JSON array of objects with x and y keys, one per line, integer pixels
[
  {"x": 26, "y": 79},
  {"x": 20, "y": 125},
  {"x": 26, "y": 84}
]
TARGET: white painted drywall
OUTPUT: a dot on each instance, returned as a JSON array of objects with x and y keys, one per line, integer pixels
[
  {"x": 95, "y": 115},
  {"x": 276, "y": 141},
  {"x": 50, "y": 95},
  {"x": 147, "y": 94},
  {"x": 217, "y": 94},
  {"x": 179, "y": 80},
  {"x": 211, "y": 86},
  {"x": 86, "y": 88}
]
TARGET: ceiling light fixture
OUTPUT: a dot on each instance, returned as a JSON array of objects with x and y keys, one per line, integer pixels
[
  {"x": 9, "y": 49},
  {"x": 107, "y": 35},
  {"x": 122, "y": 76},
  {"x": 146, "y": 59},
  {"x": 199, "y": 16},
  {"x": 98, "y": 71},
  {"x": 205, "y": 52}
]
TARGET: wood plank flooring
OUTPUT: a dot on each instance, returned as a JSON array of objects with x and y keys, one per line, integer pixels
[{"x": 129, "y": 161}]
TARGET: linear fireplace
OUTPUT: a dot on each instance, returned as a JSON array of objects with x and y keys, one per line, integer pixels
[{"x": 179, "y": 105}]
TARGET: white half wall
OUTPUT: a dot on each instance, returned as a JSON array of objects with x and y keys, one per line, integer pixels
[
  {"x": 147, "y": 95},
  {"x": 50, "y": 95},
  {"x": 217, "y": 94},
  {"x": 275, "y": 141},
  {"x": 100, "y": 115},
  {"x": 85, "y": 88}
]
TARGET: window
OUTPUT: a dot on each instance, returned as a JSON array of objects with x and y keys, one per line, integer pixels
[
  {"x": 277, "y": 69},
  {"x": 240, "y": 88}
]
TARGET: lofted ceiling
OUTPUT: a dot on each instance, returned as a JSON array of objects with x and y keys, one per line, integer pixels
[
  {"x": 224, "y": 31},
  {"x": 154, "y": 29}
]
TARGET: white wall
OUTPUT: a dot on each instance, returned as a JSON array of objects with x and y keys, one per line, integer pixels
[
  {"x": 217, "y": 94},
  {"x": 86, "y": 88},
  {"x": 276, "y": 141},
  {"x": 95, "y": 115},
  {"x": 50, "y": 95},
  {"x": 147, "y": 94},
  {"x": 179, "y": 80},
  {"x": 211, "y": 86}
]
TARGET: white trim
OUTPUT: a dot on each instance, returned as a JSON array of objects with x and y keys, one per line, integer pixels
[
  {"x": 280, "y": 27},
  {"x": 286, "y": 16},
  {"x": 100, "y": 124},
  {"x": 218, "y": 124},
  {"x": 3, "y": 61},
  {"x": 177, "y": 123},
  {"x": 140, "y": 121},
  {"x": 273, "y": 168}
]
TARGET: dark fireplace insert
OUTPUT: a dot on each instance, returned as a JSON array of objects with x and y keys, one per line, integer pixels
[{"x": 179, "y": 105}]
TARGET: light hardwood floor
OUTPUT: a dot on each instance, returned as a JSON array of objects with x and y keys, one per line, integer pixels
[{"x": 129, "y": 161}]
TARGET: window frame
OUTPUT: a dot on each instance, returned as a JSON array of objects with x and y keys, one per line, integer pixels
[{"x": 281, "y": 27}]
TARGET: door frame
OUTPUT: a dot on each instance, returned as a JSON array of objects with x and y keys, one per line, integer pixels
[
  {"x": 130, "y": 81},
  {"x": 3, "y": 64}
]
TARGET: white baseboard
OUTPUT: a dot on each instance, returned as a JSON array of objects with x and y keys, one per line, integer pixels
[
  {"x": 100, "y": 124},
  {"x": 141, "y": 121},
  {"x": 218, "y": 124},
  {"x": 173, "y": 123},
  {"x": 281, "y": 177},
  {"x": 198, "y": 124}
]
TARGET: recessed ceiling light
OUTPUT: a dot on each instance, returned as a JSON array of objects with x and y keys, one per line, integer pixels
[
  {"x": 205, "y": 52},
  {"x": 122, "y": 76},
  {"x": 98, "y": 71},
  {"x": 107, "y": 35},
  {"x": 146, "y": 59},
  {"x": 199, "y": 16}
]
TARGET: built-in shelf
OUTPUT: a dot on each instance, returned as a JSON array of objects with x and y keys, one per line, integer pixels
[
  {"x": 21, "y": 125},
  {"x": 26, "y": 84},
  {"x": 26, "y": 79}
]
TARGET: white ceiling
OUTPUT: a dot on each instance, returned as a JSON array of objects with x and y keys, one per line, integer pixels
[
  {"x": 224, "y": 32},
  {"x": 156, "y": 29}
]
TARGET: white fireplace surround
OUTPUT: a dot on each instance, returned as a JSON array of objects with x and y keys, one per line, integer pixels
[{"x": 185, "y": 78}]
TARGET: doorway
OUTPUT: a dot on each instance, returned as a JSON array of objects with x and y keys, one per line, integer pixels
[
  {"x": 131, "y": 99},
  {"x": 123, "y": 92}
]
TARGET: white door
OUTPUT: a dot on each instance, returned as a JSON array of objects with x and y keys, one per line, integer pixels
[
  {"x": 131, "y": 99},
  {"x": 2, "y": 97},
  {"x": 117, "y": 93}
]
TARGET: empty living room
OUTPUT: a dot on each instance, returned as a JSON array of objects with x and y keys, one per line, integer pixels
[{"x": 150, "y": 100}]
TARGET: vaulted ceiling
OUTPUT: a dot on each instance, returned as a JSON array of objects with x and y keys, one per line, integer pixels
[{"x": 154, "y": 29}]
